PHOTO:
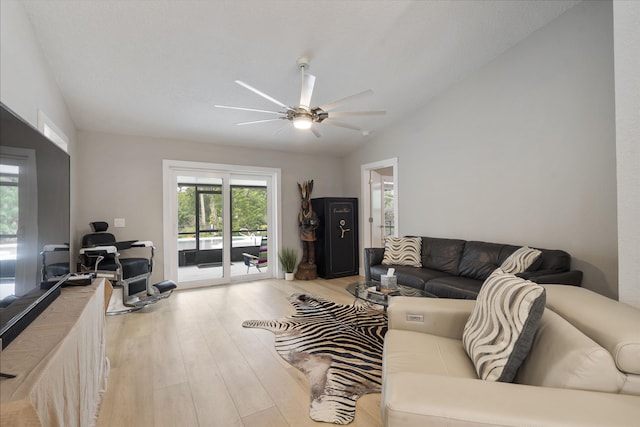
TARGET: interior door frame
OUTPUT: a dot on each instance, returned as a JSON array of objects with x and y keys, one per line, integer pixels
[
  {"x": 365, "y": 191},
  {"x": 171, "y": 169},
  {"x": 376, "y": 211}
]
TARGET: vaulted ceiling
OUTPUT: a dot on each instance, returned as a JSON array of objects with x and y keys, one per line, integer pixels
[{"x": 157, "y": 68}]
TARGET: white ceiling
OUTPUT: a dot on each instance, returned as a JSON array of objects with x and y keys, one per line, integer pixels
[{"x": 157, "y": 68}]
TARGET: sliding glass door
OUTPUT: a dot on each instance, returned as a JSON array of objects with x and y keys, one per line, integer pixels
[
  {"x": 223, "y": 222},
  {"x": 249, "y": 226}
]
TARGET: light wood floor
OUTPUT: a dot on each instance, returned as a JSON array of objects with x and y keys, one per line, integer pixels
[{"x": 187, "y": 361}]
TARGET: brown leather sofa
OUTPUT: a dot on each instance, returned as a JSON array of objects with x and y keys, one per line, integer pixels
[
  {"x": 455, "y": 268},
  {"x": 583, "y": 368}
]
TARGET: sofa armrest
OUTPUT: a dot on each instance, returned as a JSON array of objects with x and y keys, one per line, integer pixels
[
  {"x": 573, "y": 277},
  {"x": 411, "y": 399},
  {"x": 439, "y": 316},
  {"x": 372, "y": 256}
]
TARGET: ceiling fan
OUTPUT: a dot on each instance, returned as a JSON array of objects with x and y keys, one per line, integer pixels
[{"x": 303, "y": 116}]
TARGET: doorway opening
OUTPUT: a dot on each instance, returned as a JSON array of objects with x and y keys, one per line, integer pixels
[{"x": 380, "y": 201}]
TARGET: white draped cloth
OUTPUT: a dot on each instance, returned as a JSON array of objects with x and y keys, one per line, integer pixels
[{"x": 59, "y": 361}]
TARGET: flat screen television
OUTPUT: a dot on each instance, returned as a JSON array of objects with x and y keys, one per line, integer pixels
[{"x": 34, "y": 203}]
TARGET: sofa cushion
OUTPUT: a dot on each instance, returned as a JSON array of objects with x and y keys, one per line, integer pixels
[
  {"x": 402, "y": 251},
  {"x": 419, "y": 353},
  {"x": 553, "y": 260},
  {"x": 591, "y": 313},
  {"x": 454, "y": 287},
  {"x": 408, "y": 276},
  {"x": 480, "y": 259},
  {"x": 442, "y": 254},
  {"x": 520, "y": 260},
  {"x": 500, "y": 330},
  {"x": 564, "y": 357},
  {"x": 631, "y": 385}
]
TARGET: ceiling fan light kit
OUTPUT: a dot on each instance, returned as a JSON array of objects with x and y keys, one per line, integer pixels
[
  {"x": 302, "y": 121},
  {"x": 303, "y": 116}
]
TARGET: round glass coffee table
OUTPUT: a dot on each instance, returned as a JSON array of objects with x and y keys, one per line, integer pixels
[{"x": 367, "y": 291}]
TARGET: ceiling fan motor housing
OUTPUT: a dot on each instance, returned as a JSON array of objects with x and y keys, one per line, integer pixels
[
  {"x": 319, "y": 114},
  {"x": 316, "y": 115}
]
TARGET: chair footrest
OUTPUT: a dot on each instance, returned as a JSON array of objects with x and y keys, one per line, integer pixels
[
  {"x": 151, "y": 299},
  {"x": 165, "y": 286}
]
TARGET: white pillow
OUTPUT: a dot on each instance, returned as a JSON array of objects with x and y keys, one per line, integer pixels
[
  {"x": 403, "y": 251},
  {"x": 520, "y": 260},
  {"x": 499, "y": 333}
]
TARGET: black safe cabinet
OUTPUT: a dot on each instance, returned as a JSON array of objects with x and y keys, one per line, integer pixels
[{"x": 337, "y": 236}]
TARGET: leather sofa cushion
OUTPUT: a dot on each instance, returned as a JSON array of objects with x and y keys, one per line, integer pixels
[
  {"x": 562, "y": 356},
  {"x": 480, "y": 259},
  {"x": 412, "y": 400},
  {"x": 454, "y": 287},
  {"x": 553, "y": 260},
  {"x": 408, "y": 276},
  {"x": 442, "y": 254},
  {"x": 631, "y": 385},
  {"x": 418, "y": 353},
  {"x": 591, "y": 313}
]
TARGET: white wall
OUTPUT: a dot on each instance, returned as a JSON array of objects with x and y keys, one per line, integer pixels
[
  {"x": 521, "y": 151},
  {"x": 26, "y": 85},
  {"x": 122, "y": 178},
  {"x": 626, "y": 16}
]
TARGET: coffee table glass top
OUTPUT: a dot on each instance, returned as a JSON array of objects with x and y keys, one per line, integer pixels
[{"x": 367, "y": 291}]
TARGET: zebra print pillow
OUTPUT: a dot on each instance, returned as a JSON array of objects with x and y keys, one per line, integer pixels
[
  {"x": 402, "y": 251},
  {"x": 520, "y": 260},
  {"x": 499, "y": 333}
]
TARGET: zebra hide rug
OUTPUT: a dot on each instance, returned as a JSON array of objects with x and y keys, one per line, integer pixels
[{"x": 338, "y": 348}]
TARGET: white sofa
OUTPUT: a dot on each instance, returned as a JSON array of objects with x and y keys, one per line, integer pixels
[{"x": 583, "y": 368}]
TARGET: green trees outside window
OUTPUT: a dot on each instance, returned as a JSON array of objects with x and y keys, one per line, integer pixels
[{"x": 248, "y": 209}]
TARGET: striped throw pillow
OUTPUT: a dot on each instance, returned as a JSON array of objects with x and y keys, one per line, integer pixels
[
  {"x": 499, "y": 333},
  {"x": 402, "y": 251},
  {"x": 520, "y": 260}
]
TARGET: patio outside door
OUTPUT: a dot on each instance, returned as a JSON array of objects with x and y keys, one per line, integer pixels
[{"x": 220, "y": 222}]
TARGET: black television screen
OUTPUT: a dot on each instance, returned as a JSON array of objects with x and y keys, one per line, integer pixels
[{"x": 34, "y": 203}]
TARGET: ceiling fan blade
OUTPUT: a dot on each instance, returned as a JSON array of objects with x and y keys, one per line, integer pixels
[
  {"x": 262, "y": 94},
  {"x": 357, "y": 113},
  {"x": 248, "y": 109},
  {"x": 315, "y": 132},
  {"x": 331, "y": 106},
  {"x": 258, "y": 121},
  {"x": 340, "y": 124},
  {"x": 308, "y": 81}
]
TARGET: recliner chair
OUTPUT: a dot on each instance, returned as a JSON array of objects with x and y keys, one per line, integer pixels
[{"x": 101, "y": 254}]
